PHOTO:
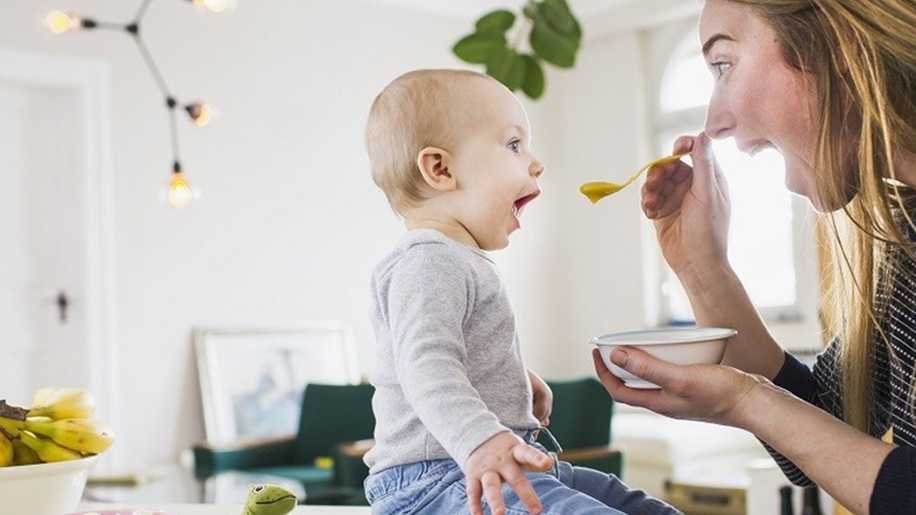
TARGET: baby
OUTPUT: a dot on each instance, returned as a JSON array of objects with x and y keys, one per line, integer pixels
[{"x": 457, "y": 412}]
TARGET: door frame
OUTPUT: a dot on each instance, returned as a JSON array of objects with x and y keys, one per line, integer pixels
[{"x": 90, "y": 79}]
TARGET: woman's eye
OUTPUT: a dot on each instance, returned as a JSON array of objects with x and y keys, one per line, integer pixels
[
  {"x": 515, "y": 146},
  {"x": 719, "y": 68}
]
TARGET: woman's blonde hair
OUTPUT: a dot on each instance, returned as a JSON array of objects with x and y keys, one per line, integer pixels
[{"x": 861, "y": 56}]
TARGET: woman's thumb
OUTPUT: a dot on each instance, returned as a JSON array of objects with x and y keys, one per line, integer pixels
[{"x": 704, "y": 166}]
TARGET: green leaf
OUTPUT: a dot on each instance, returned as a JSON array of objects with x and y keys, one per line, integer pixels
[
  {"x": 496, "y": 22},
  {"x": 507, "y": 67},
  {"x": 533, "y": 85},
  {"x": 553, "y": 47},
  {"x": 479, "y": 48},
  {"x": 560, "y": 17}
]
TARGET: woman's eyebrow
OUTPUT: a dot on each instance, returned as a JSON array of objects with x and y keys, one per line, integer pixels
[{"x": 712, "y": 41}]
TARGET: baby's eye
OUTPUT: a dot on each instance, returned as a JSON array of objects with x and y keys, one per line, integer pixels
[
  {"x": 719, "y": 68},
  {"x": 515, "y": 146}
]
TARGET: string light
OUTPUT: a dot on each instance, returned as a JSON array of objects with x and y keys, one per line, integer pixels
[
  {"x": 215, "y": 6},
  {"x": 201, "y": 114},
  {"x": 179, "y": 192},
  {"x": 59, "y": 22}
]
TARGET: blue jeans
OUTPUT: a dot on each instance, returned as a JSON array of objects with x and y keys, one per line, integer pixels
[{"x": 438, "y": 487}]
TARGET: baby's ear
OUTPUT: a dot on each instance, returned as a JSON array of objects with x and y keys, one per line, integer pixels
[{"x": 434, "y": 165}]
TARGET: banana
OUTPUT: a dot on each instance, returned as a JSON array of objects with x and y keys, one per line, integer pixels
[
  {"x": 80, "y": 435},
  {"x": 11, "y": 426},
  {"x": 23, "y": 455},
  {"x": 42, "y": 395},
  {"x": 6, "y": 451},
  {"x": 47, "y": 450},
  {"x": 63, "y": 403}
]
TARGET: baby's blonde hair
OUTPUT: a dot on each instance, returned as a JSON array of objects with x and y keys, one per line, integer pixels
[{"x": 419, "y": 109}]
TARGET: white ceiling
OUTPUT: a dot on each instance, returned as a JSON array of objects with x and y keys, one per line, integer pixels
[{"x": 475, "y": 8}]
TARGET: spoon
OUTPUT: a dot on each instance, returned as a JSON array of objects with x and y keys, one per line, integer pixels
[{"x": 596, "y": 191}]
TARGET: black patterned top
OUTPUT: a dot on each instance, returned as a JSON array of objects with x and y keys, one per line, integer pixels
[{"x": 895, "y": 488}]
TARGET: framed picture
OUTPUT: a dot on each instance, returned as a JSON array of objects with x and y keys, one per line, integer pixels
[{"x": 252, "y": 380}]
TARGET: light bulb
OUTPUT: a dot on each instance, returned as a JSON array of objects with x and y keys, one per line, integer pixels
[
  {"x": 201, "y": 114},
  {"x": 180, "y": 192},
  {"x": 59, "y": 22},
  {"x": 215, "y": 6}
]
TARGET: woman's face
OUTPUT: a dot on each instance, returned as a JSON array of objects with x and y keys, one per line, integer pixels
[{"x": 758, "y": 98}]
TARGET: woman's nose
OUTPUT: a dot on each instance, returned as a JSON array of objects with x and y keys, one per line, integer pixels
[
  {"x": 536, "y": 169},
  {"x": 720, "y": 121}
]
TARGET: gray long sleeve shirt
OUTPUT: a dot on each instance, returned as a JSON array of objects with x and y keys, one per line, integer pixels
[{"x": 449, "y": 372}]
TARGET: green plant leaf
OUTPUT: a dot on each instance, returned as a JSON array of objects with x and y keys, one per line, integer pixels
[
  {"x": 533, "y": 85},
  {"x": 560, "y": 17},
  {"x": 479, "y": 48},
  {"x": 553, "y": 47},
  {"x": 496, "y": 22},
  {"x": 507, "y": 67}
]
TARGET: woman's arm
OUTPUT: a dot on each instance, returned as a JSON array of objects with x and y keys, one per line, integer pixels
[
  {"x": 840, "y": 459},
  {"x": 843, "y": 461},
  {"x": 690, "y": 208},
  {"x": 719, "y": 300}
]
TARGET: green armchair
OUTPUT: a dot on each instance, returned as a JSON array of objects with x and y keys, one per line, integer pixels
[
  {"x": 332, "y": 415},
  {"x": 581, "y": 422},
  {"x": 337, "y": 423}
]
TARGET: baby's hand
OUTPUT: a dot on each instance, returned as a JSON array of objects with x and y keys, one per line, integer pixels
[{"x": 502, "y": 459}]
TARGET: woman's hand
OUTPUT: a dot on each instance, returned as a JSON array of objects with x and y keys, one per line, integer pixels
[
  {"x": 690, "y": 207},
  {"x": 710, "y": 393},
  {"x": 543, "y": 399}
]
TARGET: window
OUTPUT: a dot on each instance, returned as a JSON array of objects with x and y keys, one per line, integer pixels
[{"x": 763, "y": 224}]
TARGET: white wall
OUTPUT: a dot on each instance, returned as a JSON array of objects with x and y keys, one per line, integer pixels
[{"x": 290, "y": 224}]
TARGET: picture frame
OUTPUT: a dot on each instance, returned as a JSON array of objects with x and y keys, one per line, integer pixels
[{"x": 252, "y": 379}]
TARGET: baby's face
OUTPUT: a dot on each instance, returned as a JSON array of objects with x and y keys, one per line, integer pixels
[{"x": 496, "y": 171}]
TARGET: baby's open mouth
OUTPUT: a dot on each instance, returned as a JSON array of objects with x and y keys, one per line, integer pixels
[{"x": 520, "y": 203}]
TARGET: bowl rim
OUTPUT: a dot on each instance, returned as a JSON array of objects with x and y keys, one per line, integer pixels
[
  {"x": 675, "y": 335},
  {"x": 47, "y": 469}
]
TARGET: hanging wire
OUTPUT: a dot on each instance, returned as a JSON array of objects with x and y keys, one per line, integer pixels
[
  {"x": 173, "y": 124},
  {"x": 171, "y": 102},
  {"x": 151, "y": 64},
  {"x": 141, "y": 12}
]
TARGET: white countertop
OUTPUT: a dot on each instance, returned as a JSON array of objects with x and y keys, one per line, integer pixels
[{"x": 212, "y": 509}]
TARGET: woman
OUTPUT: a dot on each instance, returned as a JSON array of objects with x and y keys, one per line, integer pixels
[{"x": 831, "y": 84}]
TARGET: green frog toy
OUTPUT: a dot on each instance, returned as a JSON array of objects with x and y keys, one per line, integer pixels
[{"x": 269, "y": 500}]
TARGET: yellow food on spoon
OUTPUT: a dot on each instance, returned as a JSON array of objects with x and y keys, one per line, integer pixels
[{"x": 596, "y": 191}]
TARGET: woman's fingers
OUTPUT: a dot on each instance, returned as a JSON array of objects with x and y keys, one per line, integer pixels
[
  {"x": 492, "y": 490},
  {"x": 671, "y": 202},
  {"x": 619, "y": 391},
  {"x": 645, "y": 366},
  {"x": 683, "y": 145},
  {"x": 664, "y": 192},
  {"x": 474, "y": 492}
]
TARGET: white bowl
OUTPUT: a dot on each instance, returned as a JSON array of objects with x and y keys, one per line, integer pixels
[
  {"x": 682, "y": 346},
  {"x": 44, "y": 488}
]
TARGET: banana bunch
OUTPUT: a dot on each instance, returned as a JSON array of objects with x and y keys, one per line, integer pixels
[{"x": 58, "y": 427}]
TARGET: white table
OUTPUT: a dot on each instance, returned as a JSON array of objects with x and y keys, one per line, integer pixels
[{"x": 223, "y": 509}]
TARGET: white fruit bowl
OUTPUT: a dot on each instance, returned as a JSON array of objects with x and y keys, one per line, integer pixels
[
  {"x": 44, "y": 488},
  {"x": 682, "y": 346}
]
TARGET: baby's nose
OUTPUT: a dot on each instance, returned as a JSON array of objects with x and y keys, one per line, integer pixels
[{"x": 536, "y": 169}]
